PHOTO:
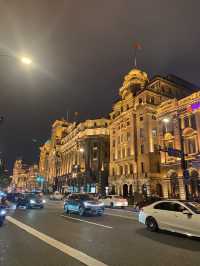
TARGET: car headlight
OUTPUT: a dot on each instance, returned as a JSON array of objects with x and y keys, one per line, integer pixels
[
  {"x": 32, "y": 201},
  {"x": 86, "y": 204},
  {"x": 43, "y": 201},
  {"x": 3, "y": 212}
]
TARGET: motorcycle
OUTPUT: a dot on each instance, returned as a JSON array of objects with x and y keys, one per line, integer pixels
[{"x": 2, "y": 215}]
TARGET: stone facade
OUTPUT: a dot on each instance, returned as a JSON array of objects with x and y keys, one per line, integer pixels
[
  {"x": 77, "y": 156},
  {"x": 179, "y": 128},
  {"x": 24, "y": 176},
  {"x": 135, "y": 162}
]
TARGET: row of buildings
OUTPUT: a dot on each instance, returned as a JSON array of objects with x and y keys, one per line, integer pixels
[
  {"x": 126, "y": 153},
  {"x": 25, "y": 176}
]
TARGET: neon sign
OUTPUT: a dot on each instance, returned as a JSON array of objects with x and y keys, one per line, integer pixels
[{"x": 193, "y": 107}]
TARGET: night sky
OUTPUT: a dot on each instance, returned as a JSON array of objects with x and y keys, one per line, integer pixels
[{"x": 81, "y": 50}]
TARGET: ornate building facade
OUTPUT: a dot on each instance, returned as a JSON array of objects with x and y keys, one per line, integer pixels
[
  {"x": 134, "y": 143},
  {"x": 24, "y": 176},
  {"x": 77, "y": 156},
  {"x": 179, "y": 128}
]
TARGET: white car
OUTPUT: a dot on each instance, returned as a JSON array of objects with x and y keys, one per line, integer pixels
[
  {"x": 115, "y": 201},
  {"x": 172, "y": 215},
  {"x": 56, "y": 196}
]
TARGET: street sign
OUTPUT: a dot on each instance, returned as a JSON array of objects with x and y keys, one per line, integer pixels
[{"x": 175, "y": 152}]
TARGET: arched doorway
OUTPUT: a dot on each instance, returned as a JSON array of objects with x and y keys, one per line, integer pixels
[
  {"x": 159, "y": 190},
  {"x": 131, "y": 190},
  {"x": 174, "y": 184},
  {"x": 125, "y": 190}
]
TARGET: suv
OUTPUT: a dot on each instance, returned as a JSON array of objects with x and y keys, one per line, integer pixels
[{"x": 83, "y": 203}]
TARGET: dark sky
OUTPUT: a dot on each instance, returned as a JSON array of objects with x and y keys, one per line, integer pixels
[{"x": 82, "y": 49}]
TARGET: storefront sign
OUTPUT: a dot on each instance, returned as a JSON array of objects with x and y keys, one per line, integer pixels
[{"x": 193, "y": 107}]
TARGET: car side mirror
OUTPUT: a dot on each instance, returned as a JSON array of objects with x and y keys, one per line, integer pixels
[{"x": 187, "y": 212}]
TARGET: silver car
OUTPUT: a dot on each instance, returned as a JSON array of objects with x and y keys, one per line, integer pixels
[{"x": 172, "y": 215}]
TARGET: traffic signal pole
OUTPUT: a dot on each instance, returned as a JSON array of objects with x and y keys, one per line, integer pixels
[{"x": 183, "y": 162}]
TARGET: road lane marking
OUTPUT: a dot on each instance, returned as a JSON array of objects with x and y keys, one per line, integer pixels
[
  {"x": 72, "y": 252},
  {"x": 88, "y": 222},
  {"x": 122, "y": 216}
]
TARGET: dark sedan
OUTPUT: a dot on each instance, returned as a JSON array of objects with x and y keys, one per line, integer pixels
[
  {"x": 83, "y": 203},
  {"x": 29, "y": 201}
]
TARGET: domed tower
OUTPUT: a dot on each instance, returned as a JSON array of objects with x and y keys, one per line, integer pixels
[{"x": 134, "y": 81}]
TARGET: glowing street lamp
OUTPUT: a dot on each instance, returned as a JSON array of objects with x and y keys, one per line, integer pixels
[
  {"x": 81, "y": 150},
  {"x": 166, "y": 120},
  {"x": 26, "y": 60}
]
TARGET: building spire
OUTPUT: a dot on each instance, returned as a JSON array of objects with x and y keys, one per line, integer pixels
[{"x": 137, "y": 46}]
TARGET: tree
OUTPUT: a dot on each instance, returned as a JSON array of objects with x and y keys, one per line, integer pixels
[{"x": 4, "y": 181}]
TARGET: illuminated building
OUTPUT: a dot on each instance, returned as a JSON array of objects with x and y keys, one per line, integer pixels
[
  {"x": 77, "y": 156},
  {"x": 179, "y": 121},
  {"x": 24, "y": 176},
  {"x": 134, "y": 136}
]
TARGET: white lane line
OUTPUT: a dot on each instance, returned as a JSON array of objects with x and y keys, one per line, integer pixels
[
  {"x": 122, "y": 216},
  {"x": 88, "y": 222},
  {"x": 76, "y": 254}
]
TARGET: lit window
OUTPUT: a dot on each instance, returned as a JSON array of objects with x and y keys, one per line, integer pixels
[{"x": 154, "y": 132}]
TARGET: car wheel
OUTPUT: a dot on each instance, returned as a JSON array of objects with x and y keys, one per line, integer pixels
[
  {"x": 151, "y": 224},
  {"x": 111, "y": 205},
  {"x": 81, "y": 211}
]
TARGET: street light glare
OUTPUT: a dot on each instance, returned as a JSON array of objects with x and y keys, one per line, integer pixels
[
  {"x": 166, "y": 120},
  {"x": 26, "y": 60}
]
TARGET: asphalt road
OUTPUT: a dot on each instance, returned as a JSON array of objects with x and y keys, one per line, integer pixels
[{"x": 49, "y": 238}]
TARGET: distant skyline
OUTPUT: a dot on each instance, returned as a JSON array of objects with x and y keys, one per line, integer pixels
[{"x": 82, "y": 50}]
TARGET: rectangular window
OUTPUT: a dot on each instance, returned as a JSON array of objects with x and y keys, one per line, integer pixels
[
  {"x": 141, "y": 118},
  {"x": 154, "y": 132},
  {"x": 131, "y": 168},
  {"x": 142, "y": 167},
  {"x": 191, "y": 146},
  {"x": 142, "y": 148},
  {"x": 120, "y": 170},
  {"x": 186, "y": 122},
  {"x": 123, "y": 153},
  {"x": 126, "y": 169},
  {"x": 113, "y": 144},
  {"x": 128, "y": 123},
  {"x": 119, "y": 154},
  {"x": 193, "y": 121}
]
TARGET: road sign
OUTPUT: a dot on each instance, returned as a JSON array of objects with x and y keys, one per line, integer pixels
[{"x": 175, "y": 152}]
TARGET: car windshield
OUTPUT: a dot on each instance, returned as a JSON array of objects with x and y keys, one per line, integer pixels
[
  {"x": 194, "y": 206},
  {"x": 86, "y": 197}
]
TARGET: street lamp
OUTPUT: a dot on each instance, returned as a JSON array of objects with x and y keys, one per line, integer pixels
[
  {"x": 81, "y": 150},
  {"x": 166, "y": 121},
  {"x": 26, "y": 60}
]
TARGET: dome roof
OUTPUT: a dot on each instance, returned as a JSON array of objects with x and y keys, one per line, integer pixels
[{"x": 134, "y": 77}]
